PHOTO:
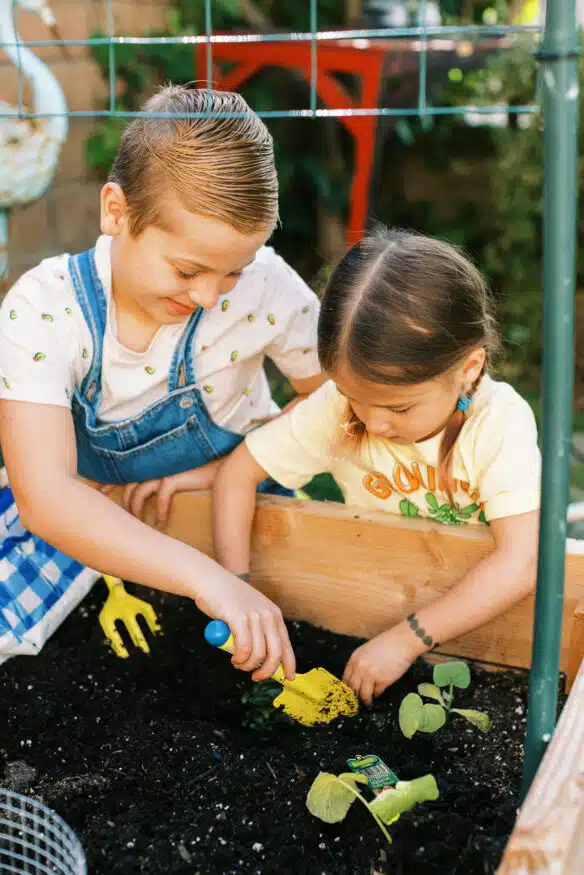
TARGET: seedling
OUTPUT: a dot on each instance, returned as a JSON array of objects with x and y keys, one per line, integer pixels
[
  {"x": 331, "y": 797},
  {"x": 260, "y": 713},
  {"x": 415, "y": 715}
]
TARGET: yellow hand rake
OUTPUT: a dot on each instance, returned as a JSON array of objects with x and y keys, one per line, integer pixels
[{"x": 122, "y": 607}]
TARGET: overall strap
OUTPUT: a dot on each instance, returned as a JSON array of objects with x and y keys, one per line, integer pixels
[
  {"x": 91, "y": 298},
  {"x": 182, "y": 368}
]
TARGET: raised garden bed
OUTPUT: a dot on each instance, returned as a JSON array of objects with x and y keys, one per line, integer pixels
[{"x": 150, "y": 760}]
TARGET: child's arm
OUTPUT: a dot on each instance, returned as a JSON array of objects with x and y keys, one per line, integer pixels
[
  {"x": 38, "y": 444},
  {"x": 234, "y": 500},
  {"x": 499, "y": 581},
  {"x": 135, "y": 495}
]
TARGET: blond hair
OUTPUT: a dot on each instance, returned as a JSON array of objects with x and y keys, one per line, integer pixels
[{"x": 217, "y": 159}]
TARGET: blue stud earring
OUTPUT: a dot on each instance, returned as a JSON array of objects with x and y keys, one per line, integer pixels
[{"x": 464, "y": 403}]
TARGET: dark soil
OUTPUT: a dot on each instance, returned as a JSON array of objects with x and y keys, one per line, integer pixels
[{"x": 152, "y": 760}]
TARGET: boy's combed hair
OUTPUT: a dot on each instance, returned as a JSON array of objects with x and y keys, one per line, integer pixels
[
  {"x": 401, "y": 308},
  {"x": 220, "y": 167}
]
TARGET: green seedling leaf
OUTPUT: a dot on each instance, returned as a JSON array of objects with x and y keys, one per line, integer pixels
[
  {"x": 477, "y": 718},
  {"x": 410, "y": 714},
  {"x": 431, "y": 691},
  {"x": 456, "y": 674},
  {"x": 391, "y": 803},
  {"x": 433, "y": 718},
  {"x": 330, "y": 798}
]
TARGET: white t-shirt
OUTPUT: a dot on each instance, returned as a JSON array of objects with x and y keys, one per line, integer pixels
[
  {"x": 46, "y": 347},
  {"x": 496, "y": 460}
]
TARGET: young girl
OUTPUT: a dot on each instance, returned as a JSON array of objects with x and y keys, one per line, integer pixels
[
  {"x": 411, "y": 423},
  {"x": 140, "y": 362}
]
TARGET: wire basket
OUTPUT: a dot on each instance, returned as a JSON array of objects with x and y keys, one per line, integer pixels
[{"x": 36, "y": 841}]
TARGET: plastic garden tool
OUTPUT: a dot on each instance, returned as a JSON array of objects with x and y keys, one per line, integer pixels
[
  {"x": 314, "y": 697},
  {"x": 122, "y": 607}
]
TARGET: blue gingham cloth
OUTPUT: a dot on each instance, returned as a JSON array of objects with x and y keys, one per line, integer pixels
[{"x": 39, "y": 585}]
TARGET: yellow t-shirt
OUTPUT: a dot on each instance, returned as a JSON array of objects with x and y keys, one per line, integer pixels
[{"x": 496, "y": 461}]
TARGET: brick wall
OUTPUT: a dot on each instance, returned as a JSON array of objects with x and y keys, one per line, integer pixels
[{"x": 66, "y": 218}]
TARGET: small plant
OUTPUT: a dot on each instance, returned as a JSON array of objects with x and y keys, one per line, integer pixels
[
  {"x": 331, "y": 796},
  {"x": 415, "y": 715},
  {"x": 260, "y": 712}
]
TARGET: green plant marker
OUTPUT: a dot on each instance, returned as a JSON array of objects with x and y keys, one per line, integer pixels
[{"x": 377, "y": 773}]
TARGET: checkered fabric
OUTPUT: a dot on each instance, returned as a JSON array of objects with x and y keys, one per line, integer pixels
[{"x": 39, "y": 585}]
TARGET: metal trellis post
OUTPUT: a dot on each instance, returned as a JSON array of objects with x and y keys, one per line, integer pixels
[{"x": 560, "y": 91}]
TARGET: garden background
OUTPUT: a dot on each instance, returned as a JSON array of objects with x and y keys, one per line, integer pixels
[{"x": 473, "y": 180}]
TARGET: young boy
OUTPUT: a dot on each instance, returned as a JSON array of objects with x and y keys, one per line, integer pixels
[{"x": 143, "y": 359}]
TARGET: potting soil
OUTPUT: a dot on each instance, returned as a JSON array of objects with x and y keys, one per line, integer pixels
[{"x": 172, "y": 763}]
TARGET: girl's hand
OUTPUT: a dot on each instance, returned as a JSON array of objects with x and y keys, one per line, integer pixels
[
  {"x": 255, "y": 622},
  {"x": 382, "y": 661},
  {"x": 137, "y": 494}
]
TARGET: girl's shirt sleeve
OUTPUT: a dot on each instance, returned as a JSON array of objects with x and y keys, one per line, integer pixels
[
  {"x": 293, "y": 308},
  {"x": 295, "y": 447},
  {"x": 507, "y": 460},
  {"x": 37, "y": 342}
]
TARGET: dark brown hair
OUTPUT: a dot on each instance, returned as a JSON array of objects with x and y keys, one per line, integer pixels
[
  {"x": 401, "y": 308},
  {"x": 221, "y": 167}
]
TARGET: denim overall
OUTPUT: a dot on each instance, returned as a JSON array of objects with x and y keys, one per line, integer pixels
[{"x": 171, "y": 435}]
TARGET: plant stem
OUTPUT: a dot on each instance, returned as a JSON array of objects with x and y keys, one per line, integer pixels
[{"x": 379, "y": 822}]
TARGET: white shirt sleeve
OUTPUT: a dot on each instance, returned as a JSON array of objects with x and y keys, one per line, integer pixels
[
  {"x": 37, "y": 346},
  {"x": 507, "y": 459},
  {"x": 295, "y": 447},
  {"x": 295, "y": 308}
]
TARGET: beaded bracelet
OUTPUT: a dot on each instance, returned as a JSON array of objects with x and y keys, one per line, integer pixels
[{"x": 421, "y": 633}]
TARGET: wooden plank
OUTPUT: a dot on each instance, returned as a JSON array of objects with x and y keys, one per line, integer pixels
[
  {"x": 576, "y": 649},
  {"x": 357, "y": 572},
  {"x": 548, "y": 838}
]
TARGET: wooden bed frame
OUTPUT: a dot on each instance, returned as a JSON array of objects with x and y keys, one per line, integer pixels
[{"x": 357, "y": 573}]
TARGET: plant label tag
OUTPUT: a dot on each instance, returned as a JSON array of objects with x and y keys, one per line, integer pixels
[{"x": 377, "y": 773}]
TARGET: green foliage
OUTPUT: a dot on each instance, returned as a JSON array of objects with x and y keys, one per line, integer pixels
[
  {"x": 330, "y": 798},
  {"x": 499, "y": 220},
  {"x": 260, "y": 713},
  {"x": 456, "y": 674},
  {"x": 403, "y": 797},
  {"x": 415, "y": 715}
]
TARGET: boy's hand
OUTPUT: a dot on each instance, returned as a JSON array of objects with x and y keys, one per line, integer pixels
[
  {"x": 380, "y": 662},
  {"x": 137, "y": 494},
  {"x": 255, "y": 622}
]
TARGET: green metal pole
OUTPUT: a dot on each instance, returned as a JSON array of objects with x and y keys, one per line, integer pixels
[{"x": 560, "y": 91}]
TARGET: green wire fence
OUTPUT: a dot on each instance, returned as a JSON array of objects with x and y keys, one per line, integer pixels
[{"x": 557, "y": 52}]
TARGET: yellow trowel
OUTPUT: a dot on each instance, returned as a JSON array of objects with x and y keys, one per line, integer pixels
[{"x": 314, "y": 697}]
